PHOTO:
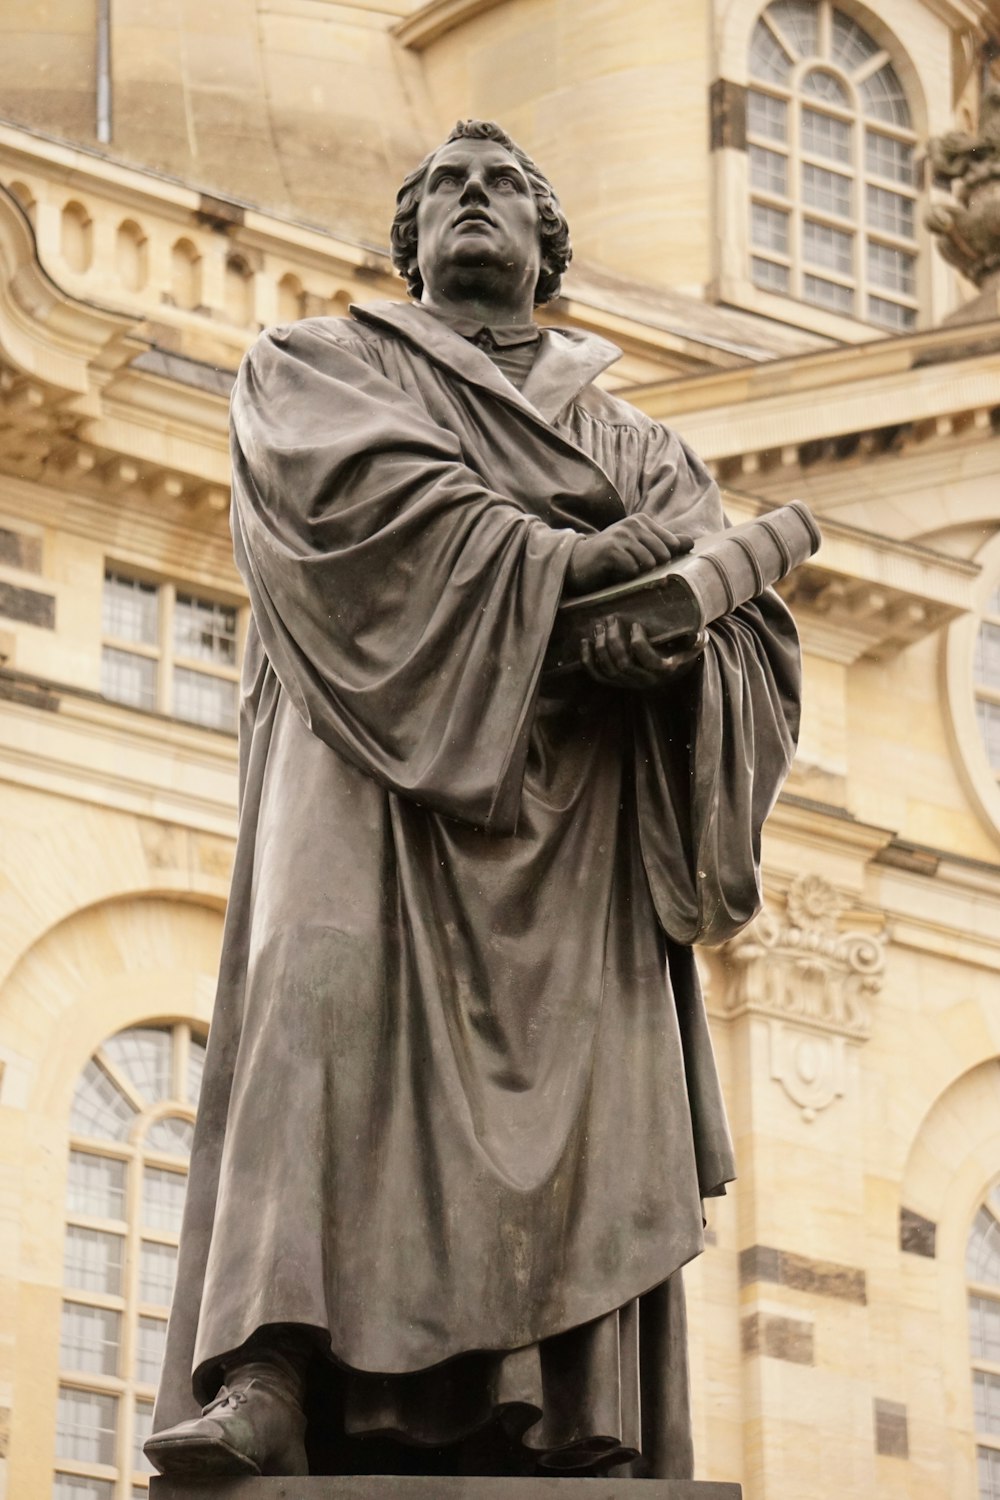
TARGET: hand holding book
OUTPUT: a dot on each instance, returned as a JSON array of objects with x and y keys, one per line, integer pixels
[
  {"x": 625, "y": 550},
  {"x": 672, "y": 599}
]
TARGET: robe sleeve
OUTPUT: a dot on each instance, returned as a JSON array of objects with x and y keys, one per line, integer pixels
[
  {"x": 713, "y": 750},
  {"x": 404, "y": 606}
]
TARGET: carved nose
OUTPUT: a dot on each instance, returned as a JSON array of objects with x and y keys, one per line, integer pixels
[{"x": 474, "y": 191}]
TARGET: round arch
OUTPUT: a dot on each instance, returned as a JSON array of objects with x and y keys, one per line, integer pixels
[{"x": 953, "y": 1162}]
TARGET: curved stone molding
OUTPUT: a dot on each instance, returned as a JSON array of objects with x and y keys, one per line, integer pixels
[
  {"x": 435, "y": 18},
  {"x": 814, "y": 982}
]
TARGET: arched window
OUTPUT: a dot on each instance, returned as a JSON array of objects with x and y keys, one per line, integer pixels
[
  {"x": 982, "y": 1270},
  {"x": 832, "y": 177},
  {"x": 986, "y": 679},
  {"x": 131, "y": 1124}
]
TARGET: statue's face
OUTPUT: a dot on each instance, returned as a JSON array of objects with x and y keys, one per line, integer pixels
[{"x": 477, "y": 212}]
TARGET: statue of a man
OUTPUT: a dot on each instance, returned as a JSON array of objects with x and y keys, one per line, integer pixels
[{"x": 460, "y": 1108}]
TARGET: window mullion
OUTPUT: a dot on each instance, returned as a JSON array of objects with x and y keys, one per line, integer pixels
[
  {"x": 123, "y": 1084},
  {"x": 795, "y": 191},
  {"x": 165, "y": 693},
  {"x": 179, "y": 1060},
  {"x": 130, "y": 1325},
  {"x": 869, "y": 66},
  {"x": 824, "y": 31}
]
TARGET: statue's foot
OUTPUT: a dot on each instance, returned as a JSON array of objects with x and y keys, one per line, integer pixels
[{"x": 252, "y": 1427}]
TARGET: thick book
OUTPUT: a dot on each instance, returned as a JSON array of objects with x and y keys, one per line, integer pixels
[{"x": 722, "y": 571}]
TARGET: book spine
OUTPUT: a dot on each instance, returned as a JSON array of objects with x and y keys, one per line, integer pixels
[{"x": 742, "y": 563}]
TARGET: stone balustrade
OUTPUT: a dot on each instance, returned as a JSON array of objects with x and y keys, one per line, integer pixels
[{"x": 179, "y": 259}]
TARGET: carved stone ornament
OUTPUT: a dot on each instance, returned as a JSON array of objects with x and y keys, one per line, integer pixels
[
  {"x": 814, "y": 982},
  {"x": 968, "y": 228}
]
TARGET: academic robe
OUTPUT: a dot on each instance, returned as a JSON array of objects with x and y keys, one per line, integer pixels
[{"x": 460, "y": 1107}]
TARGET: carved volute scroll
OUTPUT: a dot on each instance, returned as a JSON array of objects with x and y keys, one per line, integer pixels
[
  {"x": 814, "y": 981},
  {"x": 968, "y": 227}
]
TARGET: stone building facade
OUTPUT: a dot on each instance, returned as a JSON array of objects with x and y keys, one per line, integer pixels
[{"x": 748, "y": 187}]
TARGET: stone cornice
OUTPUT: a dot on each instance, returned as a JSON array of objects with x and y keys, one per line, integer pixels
[
  {"x": 867, "y": 595},
  {"x": 774, "y": 408},
  {"x": 432, "y": 20}
]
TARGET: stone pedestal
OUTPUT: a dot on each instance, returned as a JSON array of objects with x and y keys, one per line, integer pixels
[{"x": 409, "y": 1487}]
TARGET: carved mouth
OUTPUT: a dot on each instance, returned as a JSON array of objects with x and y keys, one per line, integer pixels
[{"x": 474, "y": 216}]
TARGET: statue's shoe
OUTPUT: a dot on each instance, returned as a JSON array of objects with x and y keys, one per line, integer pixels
[{"x": 251, "y": 1427}]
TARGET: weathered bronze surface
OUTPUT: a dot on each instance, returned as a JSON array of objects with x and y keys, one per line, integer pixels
[{"x": 460, "y": 1107}]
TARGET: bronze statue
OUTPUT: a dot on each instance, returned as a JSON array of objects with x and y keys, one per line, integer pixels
[{"x": 460, "y": 1108}]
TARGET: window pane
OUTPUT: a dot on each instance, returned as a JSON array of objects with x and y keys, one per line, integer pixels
[
  {"x": 828, "y": 294},
  {"x": 984, "y": 1329},
  {"x": 986, "y": 1400},
  {"x": 982, "y": 1259},
  {"x": 851, "y": 45},
  {"x": 141, "y": 1430},
  {"x": 90, "y": 1339},
  {"x": 127, "y": 678},
  {"x": 767, "y": 274},
  {"x": 882, "y": 96},
  {"x": 890, "y": 268},
  {"x": 196, "y": 1067},
  {"x": 988, "y": 715},
  {"x": 99, "y": 1108},
  {"x": 171, "y": 1135},
  {"x": 157, "y": 1272},
  {"x": 769, "y": 228},
  {"x": 205, "y": 631},
  {"x": 891, "y": 314},
  {"x": 93, "y": 1261},
  {"x": 150, "y": 1340},
  {"x": 822, "y": 85},
  {"x": 85, "y": 1426},
  {"x": 826, "y": 190},
  {"x": 890, "y": 211},
  {"x": 986, "y": 661},
  {"x": 201, "y": 699},
  {"x": 129, "y": 610},
  {"x": 767, "y": 116},
  {"x": 988, "y": 1462},
  {"x": 888, "y": 158},
  {"x": 73, "y": 1487},
  {"x": 96, "y": 1186},
  {"x": 768, "y": 61},
  {"x": 768, "y": 170},
  {"x": 824, "y": 246},
  {"x": 143, "y": 1057},
  {"x": 162, "y": 1199},
  {"x": 824, "y": 136},
  {"x": 796, "y": 20}
]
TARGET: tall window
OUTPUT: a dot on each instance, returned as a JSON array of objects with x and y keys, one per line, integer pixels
[
  {"x": 170, "y": 650},
  {"x": 986, "y": 676},
  {"x": 982, "y": 1269},
  {"x": 130, "y": 1137},
  {"x": 832, "y": 176}
]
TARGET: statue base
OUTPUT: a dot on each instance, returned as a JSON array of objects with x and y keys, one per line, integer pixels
[{"x": 413, "y": 1487}]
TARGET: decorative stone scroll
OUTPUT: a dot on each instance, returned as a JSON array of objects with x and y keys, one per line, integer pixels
[
  {"x": 814, "y": 982},
  {"x": 968, "y": 227}
]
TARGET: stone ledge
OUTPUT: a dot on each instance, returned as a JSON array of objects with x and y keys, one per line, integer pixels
[{"x": 410, "y": 1487}]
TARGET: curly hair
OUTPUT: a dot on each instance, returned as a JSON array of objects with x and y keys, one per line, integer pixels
[{"x": 553, "y": 230}]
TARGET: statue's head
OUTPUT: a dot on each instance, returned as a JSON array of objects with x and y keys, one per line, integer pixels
[{"x": 479, "y": 165}]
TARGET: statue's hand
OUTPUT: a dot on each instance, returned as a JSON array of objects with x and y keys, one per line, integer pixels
[
  {"x": 623, "y": 551},
  {"x": 621, "y": 656}
]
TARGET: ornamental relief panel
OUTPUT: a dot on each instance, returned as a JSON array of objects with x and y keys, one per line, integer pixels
[{"x": 814, "y": 980}]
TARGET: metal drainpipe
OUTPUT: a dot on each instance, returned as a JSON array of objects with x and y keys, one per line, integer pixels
[{"x": 104, "y": 71}]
